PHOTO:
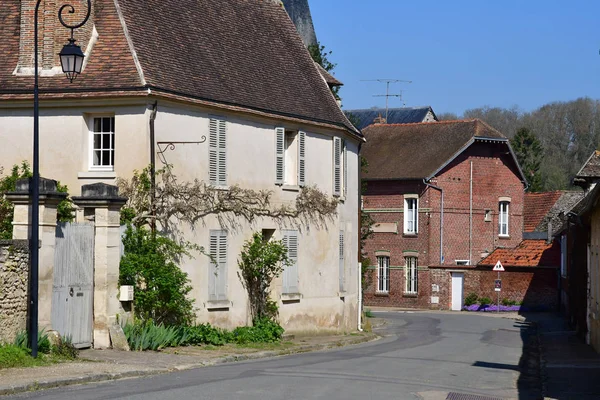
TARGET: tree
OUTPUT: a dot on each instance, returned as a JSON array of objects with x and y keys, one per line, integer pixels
[
  {"x": 447, "y": 116},
  {"x": 528, "y": 151},
  {"x": 321, "y": 56},
  {"x": 261, "y": 261}
]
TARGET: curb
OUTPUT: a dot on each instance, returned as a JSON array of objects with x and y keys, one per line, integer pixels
[{"x": 39, "y": 385}]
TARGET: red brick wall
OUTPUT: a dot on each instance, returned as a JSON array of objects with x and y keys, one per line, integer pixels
[
  {"x": 494, "y": 176},
  {"x": 396, "y": 296}
]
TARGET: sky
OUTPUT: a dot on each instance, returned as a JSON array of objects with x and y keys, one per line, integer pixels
[{"x": 462, "y": 54}]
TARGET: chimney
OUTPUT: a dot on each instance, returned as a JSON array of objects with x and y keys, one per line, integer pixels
[
  {"x": 52, "y": 36},
  {"x": 549, "y": 239},
  {"x": 380, "y": 120}
]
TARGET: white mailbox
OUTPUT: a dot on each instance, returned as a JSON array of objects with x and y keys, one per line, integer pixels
[{"x": 126, "y": 293}]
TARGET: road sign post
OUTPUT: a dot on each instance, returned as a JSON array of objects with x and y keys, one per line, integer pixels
[{"x": 498, "y": 282}]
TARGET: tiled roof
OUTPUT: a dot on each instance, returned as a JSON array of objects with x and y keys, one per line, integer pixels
[
  {"x": 404, "y": 115},
  {"x": 231, "y": 53},
  {"x": 417, "y": 151},
  {"x": 330, "y": 79},
  {"x": 537, "y": 206},
  {"x": 591, "y": 168},
  {"x": 529, "y": 253}
]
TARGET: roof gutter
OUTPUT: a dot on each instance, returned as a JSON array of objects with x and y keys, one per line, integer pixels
[{"x": 426, "y": 182}]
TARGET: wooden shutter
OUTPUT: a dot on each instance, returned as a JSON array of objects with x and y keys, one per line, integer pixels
[
  {"x": 279, "y": 155},
  {"x": 345, "y": 183},
  {"x": 337, "y": 177},
  {"x": 217, "y": 271},
  {"x": 301, "y": 159},
  {"x": 290, "y": 273},
  {"x": 342, "y": 268},
  {"x": 213, "y": 151},
  {"x": 222, "y": 170}
]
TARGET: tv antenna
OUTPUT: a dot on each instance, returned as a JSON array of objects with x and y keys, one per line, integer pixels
[{"x": 387, "y": 94}]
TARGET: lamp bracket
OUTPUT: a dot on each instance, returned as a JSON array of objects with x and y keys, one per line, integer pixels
[{"x": 171, "y": 146}]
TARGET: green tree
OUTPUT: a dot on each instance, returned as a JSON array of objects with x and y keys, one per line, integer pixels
[
  {"x": 261, "y": 261},
  {"x": 9, "y": 184},
  {"x": 320, "y": 55},
  {"x": 528, "y": 150},
  {"x": 161, "y": 288}
]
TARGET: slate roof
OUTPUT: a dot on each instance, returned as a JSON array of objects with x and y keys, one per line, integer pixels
[
  {"x": 222, "y": 52},
  {"x": 404, "y": 115},
  {"x": 529, "y": 253},
  {"x": 330, "y": 79},
  {"x": 417, "y": 151}
]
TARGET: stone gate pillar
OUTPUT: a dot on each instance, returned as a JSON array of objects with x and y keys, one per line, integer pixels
[
  {"x": 102, "y": 204},
  {"x": 49, "y": 199}
]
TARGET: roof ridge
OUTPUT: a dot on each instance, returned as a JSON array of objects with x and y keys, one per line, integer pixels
[
  {"x": 477, "y": 120},
  {"x": 129, "y": 40},
  {"x": 454, "y": 121}
]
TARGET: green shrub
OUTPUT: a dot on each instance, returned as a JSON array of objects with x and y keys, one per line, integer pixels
[
  {"x": 65, "y": 349},
  {"x": 43, "y": 341},
  {"x": 143, "y": 336},
  {"x": 160, "y": 286},
  {"x": 205, "y": 334},
  {"x": 368, "y": 313},
  {"x": 12, "y": 355},
  {"x": 264, "y": 330},
  {"x": 508, "y": 302},
  {"x": 471, "y": 299},
  {"x": 485, "y": 301}
]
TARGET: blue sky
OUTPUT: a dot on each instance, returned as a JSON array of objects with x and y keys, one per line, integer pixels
[{"x": 462, "y": 54}]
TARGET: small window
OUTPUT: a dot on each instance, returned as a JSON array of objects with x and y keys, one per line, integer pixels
[
  {"x": 412, "y": 276},
  {"x": 503, "y": 218},
  {"x": 102, "y": 144},
  {"x": 383, "y": 274},
  {"x": 411, "y": 215},
  {"x": 462, "y": 262}
]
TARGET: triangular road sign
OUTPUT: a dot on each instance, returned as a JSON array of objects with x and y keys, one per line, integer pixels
[{"x": 498, "y": 267}]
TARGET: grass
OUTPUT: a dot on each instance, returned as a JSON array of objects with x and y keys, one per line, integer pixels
[
  {"x": 13, "y": 356},
  {"x": 369, "y": 313}
]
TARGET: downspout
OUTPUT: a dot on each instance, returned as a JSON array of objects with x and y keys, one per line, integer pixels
[
  {"x": 153, "y": 167},
  {"x": 359, "y": 255},
  {"x": 441, "y": 218},
  {"x": 471, "y": 216}
]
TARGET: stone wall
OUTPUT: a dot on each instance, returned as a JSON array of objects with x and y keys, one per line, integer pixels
[{"x": 14, "y": 267}]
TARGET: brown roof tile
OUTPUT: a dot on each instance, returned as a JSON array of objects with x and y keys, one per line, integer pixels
[
  {"x": 241, "y": 53},
  {"x": 537, "y": 206},
  {"x": 418, "y": 150},
  {"x": 591, "y": 168},
  {"x": 529, "y": 253}
]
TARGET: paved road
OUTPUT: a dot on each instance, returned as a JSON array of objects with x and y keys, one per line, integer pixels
[{"x": 422, "y": 356}]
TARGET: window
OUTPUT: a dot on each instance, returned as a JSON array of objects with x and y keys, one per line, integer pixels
[
  {"x": 383, "y": 274},
  {"x": 411, "y": 275},
  {"x": 503, "y": 218},
  {"x": 217, "y": 152},
  {"x": 340, "y": 170},
  {"x": 217, "y": 271},
  {"x": 290, "y": 272},
  {"x": 462, "y": 262},
  {"x": 342, "y": 267},
  {"x": 290, "y": 160},
  {"x": 102, "y": 148},
  {"x": 563, "y": 256},
  {"x": 411, "y": 214}
]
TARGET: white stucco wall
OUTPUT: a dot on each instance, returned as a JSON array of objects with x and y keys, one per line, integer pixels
[{"x": 250, "y": 164}]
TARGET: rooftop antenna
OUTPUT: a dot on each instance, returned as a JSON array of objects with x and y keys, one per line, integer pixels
[{"x": 387, "y": 94}]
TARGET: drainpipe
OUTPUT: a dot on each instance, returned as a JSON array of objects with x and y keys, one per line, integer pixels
[
  {"x": 471, "y": 216},
  {"x": 360, "y": 329},
  {"x": 441, "y": 218},
  {"x": 359, "y": 271},
  {"x": 153, "y": 167}
]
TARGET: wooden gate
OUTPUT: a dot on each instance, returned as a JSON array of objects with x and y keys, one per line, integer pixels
[{"x": 72, "y": 297}]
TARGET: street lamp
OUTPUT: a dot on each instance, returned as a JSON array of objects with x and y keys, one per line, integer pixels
[{"x": 71, "y": 59}]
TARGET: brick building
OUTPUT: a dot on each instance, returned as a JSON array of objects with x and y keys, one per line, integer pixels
[{"x": 443, "y": 196}]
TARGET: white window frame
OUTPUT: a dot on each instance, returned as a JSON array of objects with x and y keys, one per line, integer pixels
[
  {"x": 91, "y": 148},
  {"x": 411, "y": 275},
  {"x": 383, "y": 274},
  {"x": 411, "y": 214},
  {"x": 462, "y": 262},
  {"x": 503, "y": 218}
]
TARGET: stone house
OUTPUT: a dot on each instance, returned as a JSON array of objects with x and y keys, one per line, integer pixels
[
  {"x": 223, "y": 97},
  {"x": 443, "y": 196}
]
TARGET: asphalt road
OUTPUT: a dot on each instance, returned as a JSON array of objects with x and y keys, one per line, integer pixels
[{"x": 422, "y": 356}]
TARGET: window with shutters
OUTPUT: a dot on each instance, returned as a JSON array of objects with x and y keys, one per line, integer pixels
[
  {"x": 102, "y": 144},
  {"x": 411, "y": 214},
  {"x": 411, "y": 275},
  {"x": 342, "y": 266},
  {"x": 290, "y": 272},
  {"x": 217, "y": 271},
  {"x": 290, "y": 164},
  {"x": 503, "y": 218},
  {"x": 340, "y": 170},
  {"x": 383, "y": 274},
  {"x": 217, "y": 148}
]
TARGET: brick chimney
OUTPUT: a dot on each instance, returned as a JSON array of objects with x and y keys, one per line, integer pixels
[{"x": 52, "y": 36}]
